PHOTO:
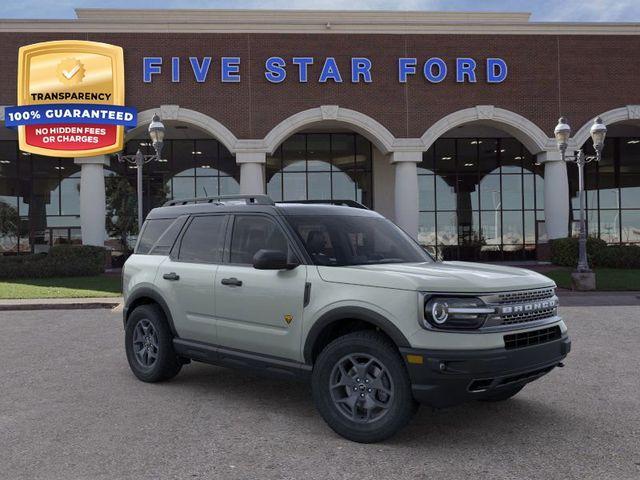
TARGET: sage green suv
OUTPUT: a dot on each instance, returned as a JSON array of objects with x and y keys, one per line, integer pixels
[{"x": 337, "y": 295}]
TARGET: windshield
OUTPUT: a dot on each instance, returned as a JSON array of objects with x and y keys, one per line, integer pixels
[{"x": 355, "y": 240}]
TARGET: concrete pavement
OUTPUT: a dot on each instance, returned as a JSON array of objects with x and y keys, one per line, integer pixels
[{"x": 71, "y": 409}]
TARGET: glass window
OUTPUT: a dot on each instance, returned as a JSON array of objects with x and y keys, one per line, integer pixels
[
  {"x": 629, "y": 155},
  {"x": 319, "y": 153},
  {"x": 426, "y": 192},
  {"x": 182, "y": 163},
  {"x": 630, "y": 222},
  {"x": 321, "y": 166},
  {"x": 512, "y": 192},
  {"x": 203, "y": 241},
  {"x": 164, "y": 244},
  {"x": 252, "y": 233},
  {"x": 343, "y": 186},
  {"x": 445, "y": 193},
  {"x": 630, "y": 190},
  {"x": 294, "y": 153},
  {"x": 445, "y": 156},
  {"x": 609, "y": 226},
  {"x": 151, "y": 232},
  {"x": 356, "y": 240},
  {"x": 320, "y": 186}
]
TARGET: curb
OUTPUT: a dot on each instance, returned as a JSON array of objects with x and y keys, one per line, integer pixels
[{"x": 77, "y": 305}]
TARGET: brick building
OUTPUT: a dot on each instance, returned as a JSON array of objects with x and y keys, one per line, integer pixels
[{"x": 441, "y": 121}]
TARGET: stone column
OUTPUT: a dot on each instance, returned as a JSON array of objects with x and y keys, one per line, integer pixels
[
  {"x": 556, "y": 194},
  {"x": 93, "y": 209},
  {"x": 251, "y": 172},
  {"x": 406, "y": 190}
]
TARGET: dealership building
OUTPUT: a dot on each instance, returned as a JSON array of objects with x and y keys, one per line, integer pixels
[{"x": 443, "y": 122}]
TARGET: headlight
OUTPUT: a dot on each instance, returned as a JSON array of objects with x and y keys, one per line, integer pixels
[{"x": 455, "y": 313}]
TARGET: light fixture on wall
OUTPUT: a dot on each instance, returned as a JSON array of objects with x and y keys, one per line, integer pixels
[{"x": 562, "y": 133}]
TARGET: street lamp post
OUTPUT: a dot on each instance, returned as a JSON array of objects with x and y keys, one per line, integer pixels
[
  {"x": 156, "y": 133},
  {"x": 562, "y": 133}
]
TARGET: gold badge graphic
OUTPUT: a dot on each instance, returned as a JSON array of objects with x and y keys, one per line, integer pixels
[
  {"x": 79, "y": 80},
  {"x": 288, "y": 318},
  {"x": 70, "y": 71}
]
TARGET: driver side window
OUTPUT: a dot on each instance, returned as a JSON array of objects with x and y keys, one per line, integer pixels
[{"x": 252, "y": 233}]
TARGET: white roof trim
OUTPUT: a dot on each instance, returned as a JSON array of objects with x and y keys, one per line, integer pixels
[{"x": 311, "y": 21}]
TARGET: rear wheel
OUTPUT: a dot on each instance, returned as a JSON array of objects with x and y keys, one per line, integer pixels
[
  {"x": 149, "y": 345},
  {"x": 503, "y": 394},
  {"x": 361, "y": 387}
]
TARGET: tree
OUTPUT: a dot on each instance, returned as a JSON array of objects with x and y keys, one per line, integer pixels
[
  {"x": 9, "y": 222},
  {"x": 122, "y": 216}
]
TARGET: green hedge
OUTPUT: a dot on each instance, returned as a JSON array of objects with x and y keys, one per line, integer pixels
[
  {"x": 564, "y": 252},
  {"x": 61, "y": 261}
]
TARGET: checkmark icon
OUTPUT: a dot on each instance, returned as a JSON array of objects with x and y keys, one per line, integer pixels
[{"x": 71, "y": 73}]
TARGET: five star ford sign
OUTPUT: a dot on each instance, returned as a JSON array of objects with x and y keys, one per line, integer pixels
[{"x": 71, "y": 99}]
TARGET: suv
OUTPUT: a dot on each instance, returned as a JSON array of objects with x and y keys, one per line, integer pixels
[{"x": 340, "y": 296}]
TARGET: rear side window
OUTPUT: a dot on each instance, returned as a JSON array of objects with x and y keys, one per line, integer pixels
[
  {"x": 168, "y": 238},
  {"x": 203, "y": 241},
  {"x": 151, "y": 232}
]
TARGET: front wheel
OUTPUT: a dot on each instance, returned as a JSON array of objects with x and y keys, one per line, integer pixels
[
  {"x": 361, "y": 387},
  {"x": 149, "y": 345}
]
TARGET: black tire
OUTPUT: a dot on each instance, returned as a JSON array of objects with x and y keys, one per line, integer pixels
[
  {"x": 502, "y": 394},
  {"x": 398, "y": 400},
  {"x": 165, "y": 363}
]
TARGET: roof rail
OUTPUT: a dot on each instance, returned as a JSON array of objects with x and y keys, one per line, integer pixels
[
  {"x": 221, "y": 199},
  {"x": 344, "y": 203}
]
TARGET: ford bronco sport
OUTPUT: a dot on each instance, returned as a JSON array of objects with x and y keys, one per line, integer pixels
[{"x": 340, "y": 296}]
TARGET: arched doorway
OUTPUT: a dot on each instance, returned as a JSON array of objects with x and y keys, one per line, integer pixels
[
  {"x": 329, "y": 152},
  {"x": 480, "y": 196}
]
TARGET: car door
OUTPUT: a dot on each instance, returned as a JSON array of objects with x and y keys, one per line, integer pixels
[
  {"x": 187, "y": 277},
  {"x": 259, "y": 311}
]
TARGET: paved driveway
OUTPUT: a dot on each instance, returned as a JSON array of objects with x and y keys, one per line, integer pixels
[{"x": 70, "y": 409}]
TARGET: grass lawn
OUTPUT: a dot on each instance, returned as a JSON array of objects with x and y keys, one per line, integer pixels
[
  {"x": 606, "y": 278},
  {"x": 68, "y": 287}
]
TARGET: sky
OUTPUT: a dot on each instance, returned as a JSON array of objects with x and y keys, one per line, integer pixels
[{"x": 542, "y": 10}]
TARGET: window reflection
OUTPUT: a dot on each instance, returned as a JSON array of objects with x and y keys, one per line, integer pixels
[
  {"x": 612, "y": 191},
  {"x": 321, "y": 166},
  {"x": 479, "y": 199}
]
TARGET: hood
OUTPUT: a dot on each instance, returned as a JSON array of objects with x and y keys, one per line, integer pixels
[{"x": 463, "y": 277}]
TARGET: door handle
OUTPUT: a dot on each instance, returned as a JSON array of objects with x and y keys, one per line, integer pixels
[
  {"x": 171, "y": 276},
  {"x": 232, "y": 282}
]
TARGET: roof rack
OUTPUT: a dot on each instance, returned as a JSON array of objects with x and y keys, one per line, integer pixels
[
  {"x": 222, "y": 199},
  {"x": 344, "y": 203}
]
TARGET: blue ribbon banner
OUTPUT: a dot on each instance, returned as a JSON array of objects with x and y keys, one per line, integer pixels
[{"x": 70, "y": 113}]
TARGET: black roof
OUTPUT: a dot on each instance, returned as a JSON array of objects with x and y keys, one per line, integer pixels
[{"x": 255, "y": 204}]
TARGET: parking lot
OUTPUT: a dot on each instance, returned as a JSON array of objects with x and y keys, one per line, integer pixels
[{"x": 71, "y": 409}]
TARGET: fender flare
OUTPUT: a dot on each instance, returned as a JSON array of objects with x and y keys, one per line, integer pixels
[
  {"x": 157, "y": 298},
  {"x": 356, "y": 313}
]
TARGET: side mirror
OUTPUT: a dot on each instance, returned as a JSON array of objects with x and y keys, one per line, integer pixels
[{"x": 272, "y": 260}]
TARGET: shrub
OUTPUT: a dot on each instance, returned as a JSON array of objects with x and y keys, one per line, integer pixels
[
  {"x": 61, "y": 261},
  {"x": 564, "y": 252}
]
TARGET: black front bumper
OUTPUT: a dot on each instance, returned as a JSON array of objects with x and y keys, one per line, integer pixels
[{"x": 449, "y": 377}]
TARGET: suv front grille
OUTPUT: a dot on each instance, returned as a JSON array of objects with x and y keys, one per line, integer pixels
[
  {"x": 522, "y": 306},
  {"x": 528, "y": 317},
  {"x": 525, "y": 296},
  {"x": 535, "y": 337}
]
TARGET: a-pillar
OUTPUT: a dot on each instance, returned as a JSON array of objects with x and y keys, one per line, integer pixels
[
  {"x": 251, "y": 172},
  {"x": 406, "y": 190},
  {"x": 93, "y": 208},
  {"x": 556, "y": 194}
]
